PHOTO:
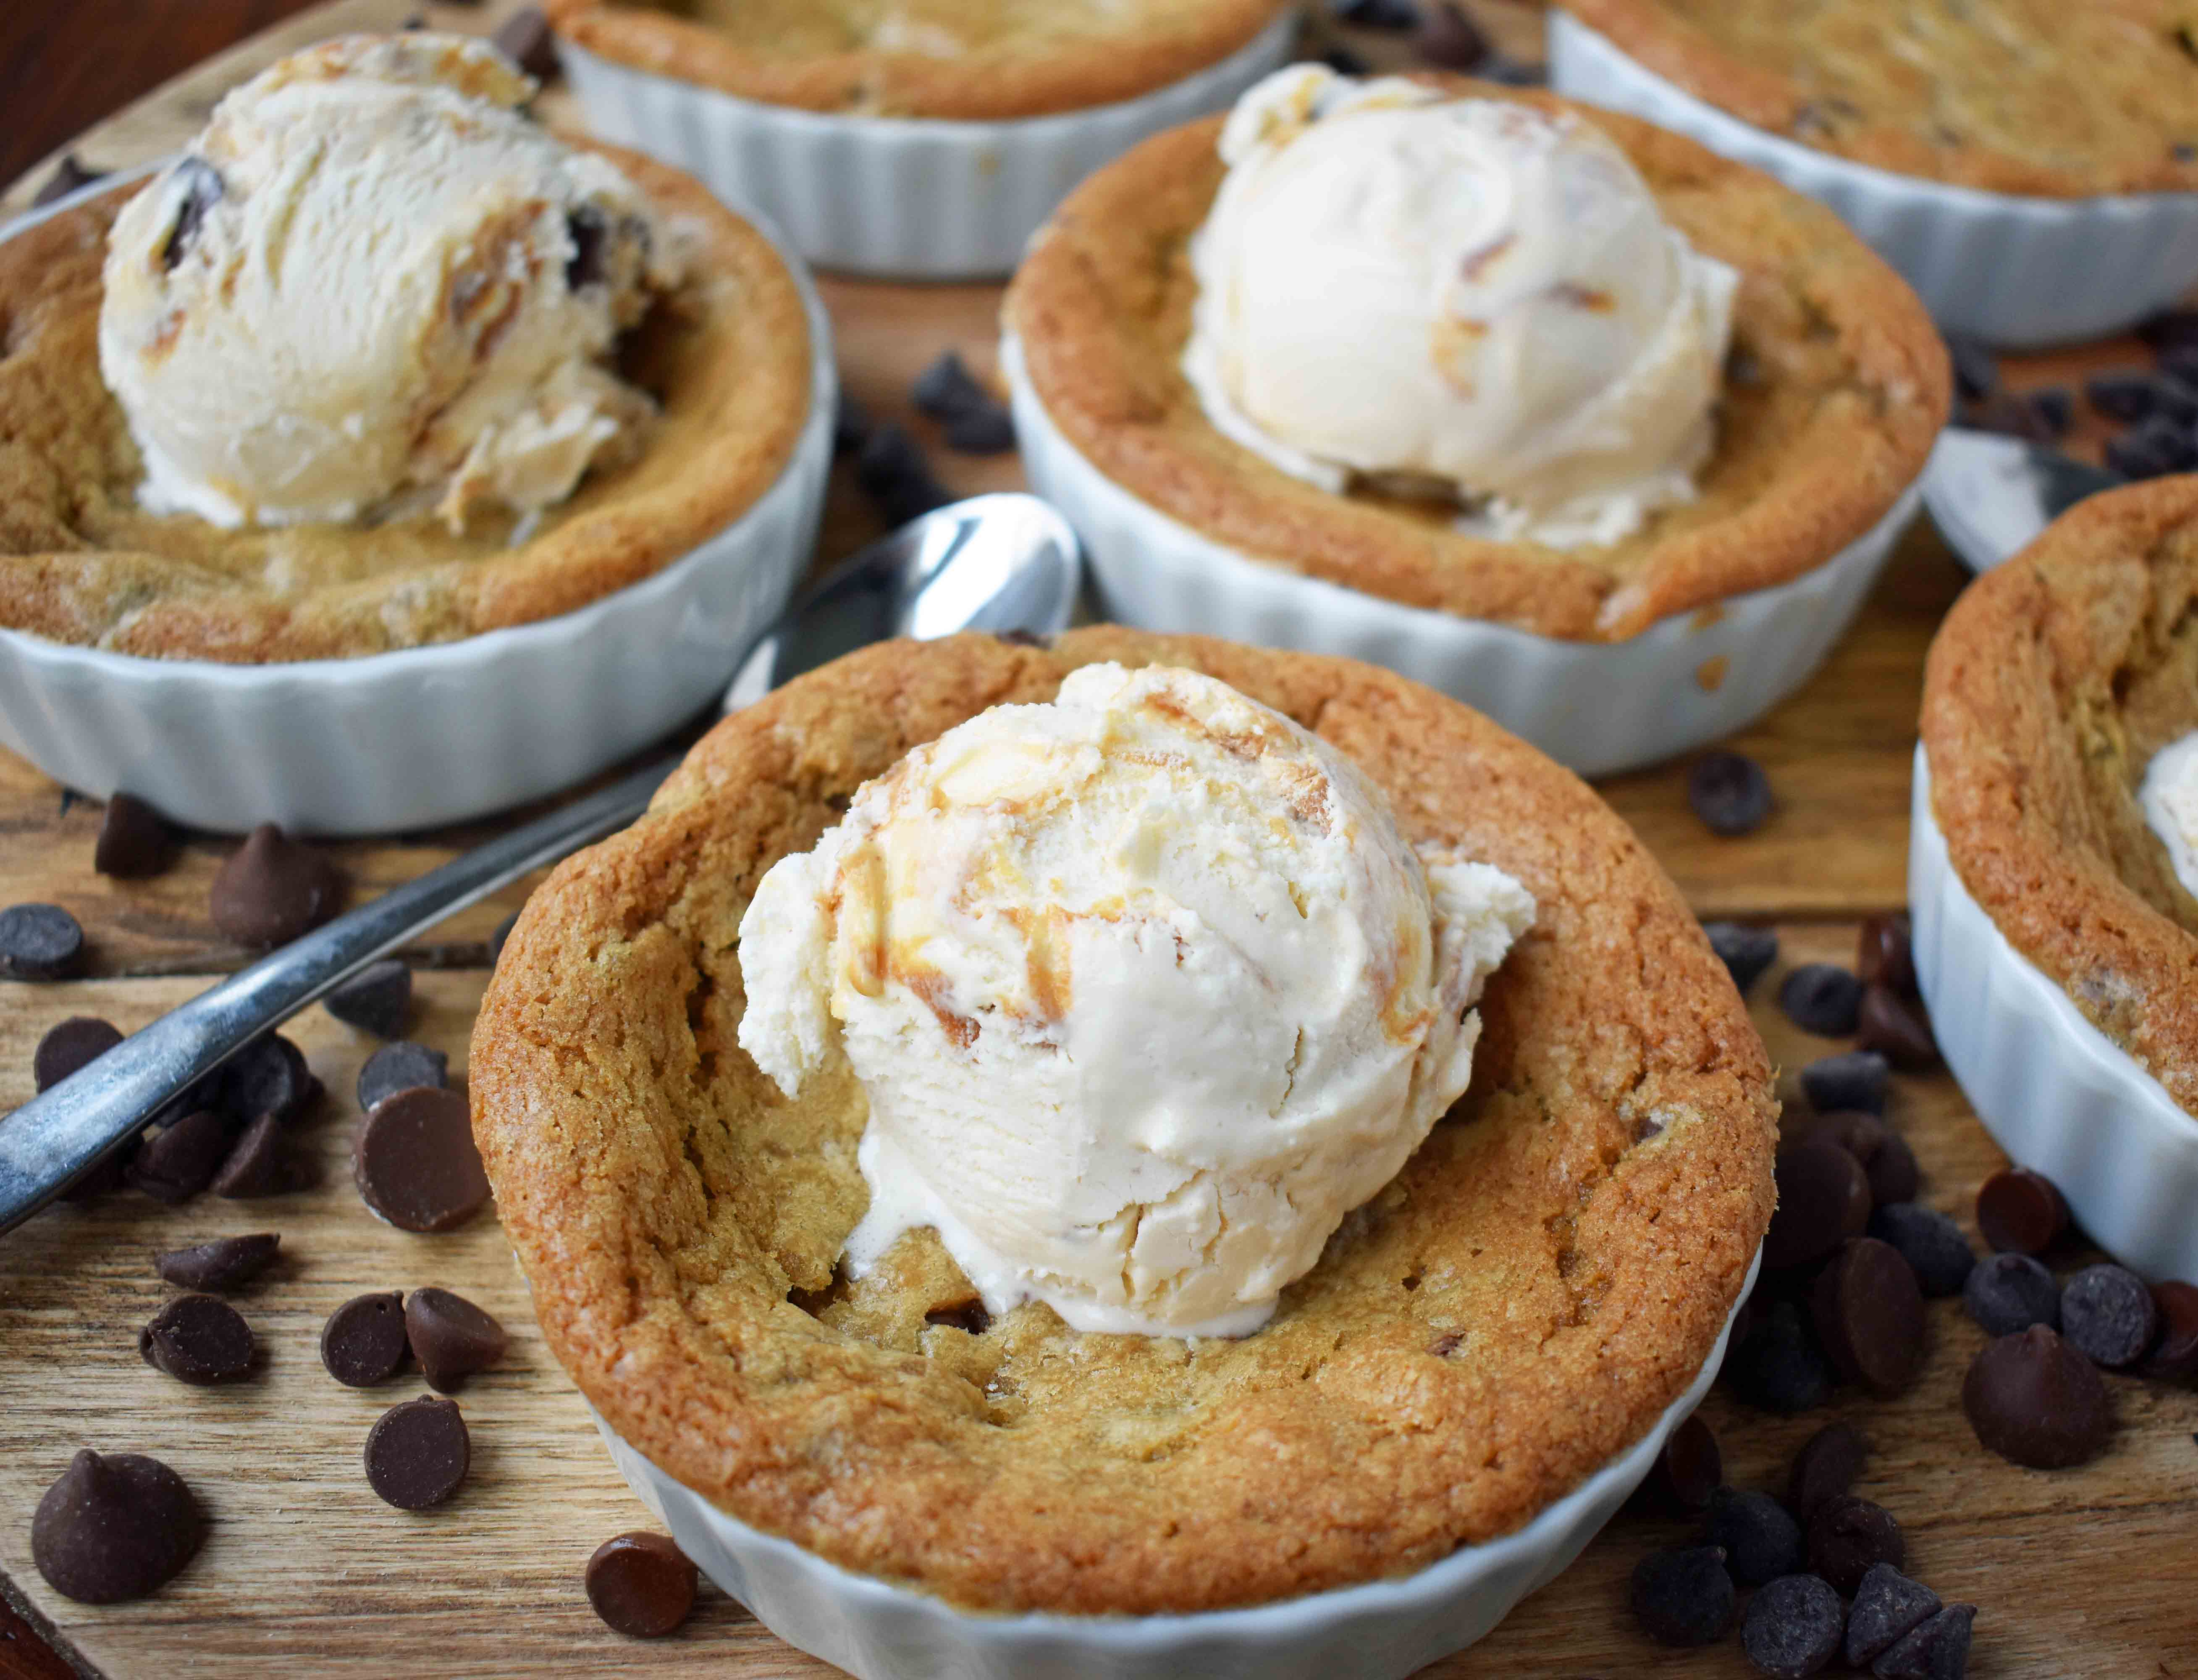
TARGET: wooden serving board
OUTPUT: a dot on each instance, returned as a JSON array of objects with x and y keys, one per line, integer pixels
[{"x": 2087, "y": 1573}]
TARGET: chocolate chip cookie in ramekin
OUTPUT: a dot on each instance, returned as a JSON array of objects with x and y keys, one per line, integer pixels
[
  {"x": 923, "y": 142},
  {"x": 2055, "y": 929},
  {"x": 1439, "y": 1414},
  {"x": 2031, "y": 170}
]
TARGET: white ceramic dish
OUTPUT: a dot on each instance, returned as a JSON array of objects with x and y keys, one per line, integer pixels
[
  {"x": 2058, "y": 1095},
  {"x": 2014, "y": 270},
  {"x": 913, "y": 199},
  {"x": 1380, "y": 1630},
  {"x": 426, "y": 735},
  {"x": 1595, "y": 706}
]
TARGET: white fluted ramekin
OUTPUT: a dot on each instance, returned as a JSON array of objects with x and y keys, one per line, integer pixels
[
  {"x": 1595, "y": 706},
  {"x": 2060, "y": 1096},
  {"x": 896, "y": 197},
  {"x": 424, "y": 735},
  {"x": 2013, "y": 270},
  {"x": 1379, "y": 1630}
]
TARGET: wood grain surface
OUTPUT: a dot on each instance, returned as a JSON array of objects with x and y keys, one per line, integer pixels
[{"x": 2086, "y": 1574}]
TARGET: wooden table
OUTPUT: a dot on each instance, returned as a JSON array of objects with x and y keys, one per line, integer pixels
[{"x": 2082, "y": 1573}]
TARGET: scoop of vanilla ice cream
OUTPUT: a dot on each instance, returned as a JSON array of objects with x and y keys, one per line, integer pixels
[
  {"x": 2168, "y": 796},
  {"x": 373, "y": 285},
  {"x": 1393, "y": 281},
  {"x": 1144, "y": 987}
]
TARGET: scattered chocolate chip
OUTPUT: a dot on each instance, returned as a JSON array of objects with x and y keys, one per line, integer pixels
[
  {"x": 1822, "y": 998},
  {"x": 1449, "y": 39},
  {"x": 69, "y": 1045},
  {"x": 1976, "y": 370},
  {"x": 1778, "y": 1367},
  {"x": 200, "y": 1339},
  {"x": 2035, "y": 1400},
  {"x": 1887, "y": 1607},
  {"x": 1758, "y": 1536},
  {"x": 258, "y": 1163},
  {"x": 2020, "y": 1211},
  {"x": 2108, "y": 1315},
  {"x": 376, "y": 999},
  {"x": 1853, "y": 1079},
  {"x": 222, "y": 1263},
  {"x": 69, "y": 176},
  {"x": 451, "y": 1337},
  {"x": 2122, "y": 397},
  {"x": 402, "y": 1066},
  {"x": 1379, "y": 14},
  {"x": 273, "y": 889},
  {"x": 135, "y": 840},
  {"x": 2008, "y": 1293},
  {"x": 987, "y": 430},
  {"x": 1939, "y": 1649},
  {"x": 1824, "y": 1199},
  {"x": 176, "y": 1163},
  {"x": 39, "y": 942},
  {"x": 1847, "y": 1536},
  {"x": 415, "y": 1164},
  {"x": 2157, "y": 446},
  {"x": 1793, "y": 1627},
  {"x": 499, "y": 935},
  {"x": 1688, "y": 1470},
  {"x": 1887, "y": 1161},
  {"x": 964, "y": 1315},
  {"x": 1745, "y": 951},
  {"x": 1930, "y": 1242},
  {"x": 417, "y": 1453},
  {"x": 2174, "y": 1356},
  {"x": 1826, "y": 1466},
  {"x": 640, "y": 1584},
  {"x": 2171, "y": 329},
  {"x": 363, "y": 1341},
  {"x": 268, "y": 1078},
  {"x": 947, "y": 388},
  {"x": 1730, "y": 792},
  {"x": 588, "y": 230},
  {"x": 115, "y": 1526},
  {"x": 2010, "y": 413},
  {"x": 525, "y": 39},
  {"x": 891, "y": 471},
  {"x": 202, "y": 189},
  {"x": 1683, "y": 1595},
  {"x": 2055, "y": 405},
  {"x": 1896, "y": 1028},
  {"x": 1869, "y": 1314}
]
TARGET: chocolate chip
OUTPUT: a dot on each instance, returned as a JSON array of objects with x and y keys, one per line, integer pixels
[
  {"x": 891, "y": 470},
  {"x": 403, "y": 1065},
  {"x": 1778, "y": 1366},
  {"x": 1688, "y": 1470},
  {"x": 2174, "y": 1356},
  {"x": 2035, "y": 1400},
  {"x": 1976, "y": 370},
  {"x": 1826, "y": 1466},
  {"x": 1887, "y": 1607},
  {"x": 1758, "y": 1536},
  {"x": 1869, "y": 1314},
  {"x": 70, "y": 1045},
  {"x": 1824, "y": 1199},
  {"x": 2008, "y": 1293},
  {"x": 39, "y": 942},
  {"x": 2055, "y": 405},
  {"x": 1853, "y": 1079},
  {"x": 850, "y": 430},
  {"x": 135, "y": 840},
  {"x": 1745, "y": 951},
  {"x": 2108, "y": 1316},
  {"x": 589, "y": 231},
  {"x": 1449, "y": 39},
  {"x": 1896, "y": 1028},
  {"x": 180, "y": 1160},
  {"x": 2171, "y": 329},
  {"x": 1683, "y": 1595},
  {"x": 202, "y": 189},
  {"x": 376, "y": 999},
  {"x": 363, "y": 1341},
  {"x": 415, "y": 1164},
  {"x": 2012, "y": 414},
  {"x": 1937, "y": 1650},
  {"x": 2020, "y": 1211},
  {"x": 69, "y": 176},
  {"x": 222, "y": 1263},
  {"x": 116, "y": 1526},
  {"x": 1822, "y": 998},
  {"x": 2122, "y": 397},
  {"x": 1512, "y": 73},
  {"x": 987, "y": 430},
  {"x": 1793, "y": 1627},
  {"x": 418, "y": 1453},
  {"x": 1379, "y": 14},
  {"x": 267, "y": 1077},
  {"x": 1730, "y": 792},
  {"x": 1847, "y": 1536},
  {"x": 451, "y": 1337},
  {"x": 964, "y": 1315},
  {"x": 273, "y": 889},
  {"x": 1930, "y": 1242},
  {"x": 525, "y": 39},
  {"x": 640, "y": 1584},
  {"x": 2159, "y": 446},
  {"x": 947, "y": 388},
  {"x": 258, "y": 1163},
  {"x": 1887, "y": 1161},
  {"x": 200, "y": 1339}
]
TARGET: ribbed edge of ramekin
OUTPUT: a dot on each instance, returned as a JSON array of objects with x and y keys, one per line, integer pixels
[
  {"x": 2014, "y": 270},
  {"x": 1380, "y": 1630},
  {"x": 2059, "y": 1095},
  {"x": 896, "y": 197},
  {"x": 1595, "y": 706},
  {"x": 435, "y": 734}
]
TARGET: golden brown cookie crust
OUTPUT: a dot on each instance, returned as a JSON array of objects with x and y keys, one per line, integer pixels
[
  {"x": 729, "y": 356},
  {"x": 1839, "y": 385},
  {"x": 2050, "y": 685},
  {"x": 1019, "y": 58},
  {"x": 2038, "y": 97},
  {"x": 1547, "y": 1274}
]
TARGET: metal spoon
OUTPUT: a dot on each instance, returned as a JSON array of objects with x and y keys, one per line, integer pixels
[
  {"x": 1991, "y": 495},
  {"x": 1002, "y": 562}
]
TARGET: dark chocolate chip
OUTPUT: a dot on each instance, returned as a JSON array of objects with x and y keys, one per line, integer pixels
[
  {"x": 268, "y": 1078},
  {"x": 2120, "y": 396},
  {"x": 1896, "y": 1028},
  {"x": 1930, "y": 1242},
  {"x": 2035, "y": 1400},
  {"x": 202, "y": 189},
  {"x": 1826, "y": 1466},
  {"x": 1939, "y": 1649},
  {"x": 2055, "y": 405},
  {"x": 200, "y": 1339},
  {"x": 1794, "y": 1626},
  {"x": 178, "y": 1162},
  {"x": 499, "y": 935},
  {"x": 1884, "y": 954},
  {"x": 1869, "y": 1314},
  {"x": 69, "y": 176},
  {"x": 1853, "y": 1079},
  {"x": 640, "y": 1584},
  {"x": 415, "y": 1164},
  {"x": 589, "y": 232},
  {"x": 273, "y": 888},
  {"x": 1976, "y": 369},
  {"x": 363, "y": 1341},
  {"x": 2108, "y": 1315},
  {"x": 1683, "y": 1595},
  {"x": 1887, "y": 1160},
  {"x": 986, "y": 431},
  {"x": 1730, "y": 792},
  {"x": 135, "y": 840},
  {"x": 258, "y": 1163},
  {"x": 2011, "y": 415},
  {"x": 2021, "y": 1211},
  {"x": 1379, "y": 14},
  {"x": 70, "y": 1045},
  {"x": 1745, "y": 951},
  {"x": 417, "y": 1453},
  {"x": 402, "y": 1066},
  {"x": 1822, "y": 998},
  {"x": 850, "y": 428},
  {"x": 1824, "y": 1199},
  {"x": 1760, "y": 1538},
  {"x": 1688, "y": 1470},
  {"x": 1778, "y": 1367},
  {"x": 116, "y": 1526},
  {"x": 2171, "y": 329},
  {"x": 1887, "y": 1607},
  {"x": 39, "y": 942},
  {"x": 968, "y": 1314},
  {"x": 526, "y": 39},
  {"x": 451, "y": 1337},
  {"x": 1847, "y": 1536},
  {"x": 225, "y": 1262},
  {"x": 2174, "y": 1356},
  {"x": 891, "y": 471},
  {"x": 1449, "y": 39},
  {"x": 947, "y": 388},
  {"x": 2008, "y": 1293},
  {"x": 376, "y": 999},
  {"x": 2158, "y": 445}
]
